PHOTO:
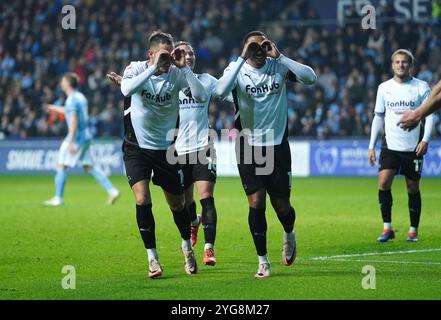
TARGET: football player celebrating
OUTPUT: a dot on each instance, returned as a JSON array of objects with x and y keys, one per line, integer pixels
[
  {"x": 196, "y": 155},
  {"x": 154, "y": 87},
  {"x": 258, "y": 83}
]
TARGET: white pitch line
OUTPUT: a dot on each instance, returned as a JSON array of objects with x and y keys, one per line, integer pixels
[
  {"x": 389, "y": 261},
  {"x": 372, "y": 254}
]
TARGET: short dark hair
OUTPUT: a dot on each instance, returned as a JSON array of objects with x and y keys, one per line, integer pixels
[
  {"x": 72, "y": 78},
  {"x": 157, "y": 37},
  {"x": 253, "y": 34}
]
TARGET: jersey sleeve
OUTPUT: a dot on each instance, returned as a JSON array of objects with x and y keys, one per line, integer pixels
[
  {"x": 425, "y": 92},
  {"x": 380, "y": 108},
  {"x": 213, "y": 82},
  {"x": 228, "y": 69},
  {"x": 132, "y": 70},
  {"x": 71, "y": 107},
  {"x": 283, "y": 70}
]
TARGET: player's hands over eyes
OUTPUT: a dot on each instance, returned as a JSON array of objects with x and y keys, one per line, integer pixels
[
  {"x": 162, "y": 60},
  {"x": 421, "y": 148},
  {"x": 249, "y": 50},
  {"x": 114, "y": 77},
  {"x": 178, "y": 57},
  {"x": 372, "y": 158},
  {"x": 270, "y": 48},
  {"x": 409, "y": 120}
]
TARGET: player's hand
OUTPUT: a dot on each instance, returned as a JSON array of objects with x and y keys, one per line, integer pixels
[
  {"x": 71, "y": 148},
  {"x": 49, "y": 107},
  {"x": 421, "y": 148},
  {"x": 249, "y": 50},
  {"x": 114, "y": 77},
  {"x": 270, "y": 48},
  {"x": 178, "y": 57},
  {"x": 162, "y": 61},
  {"x": 409, "y": 120},
  {"x": 372, "y": 158}
]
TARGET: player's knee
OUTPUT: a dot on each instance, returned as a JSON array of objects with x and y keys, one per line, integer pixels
[
  {"x": 257, "y": 200},
  {"x": 205, "y": 194},
  {"x": 281, "y": 206},
  {"x": 177, "y": 204},
  {"x": 413, "y": 187},
  {"x": 384, "y": 185},
  {"x": 141, "y": 199}
]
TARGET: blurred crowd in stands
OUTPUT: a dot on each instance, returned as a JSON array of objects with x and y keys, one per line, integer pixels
[{"x": 350, "y": 62}]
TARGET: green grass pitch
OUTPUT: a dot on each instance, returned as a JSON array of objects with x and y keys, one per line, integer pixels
[{"x": 335, "y": 216}]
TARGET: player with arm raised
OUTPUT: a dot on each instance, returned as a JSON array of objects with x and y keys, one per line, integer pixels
[
  {"x": 258, "y": 83},
  {"x": 196, "y": 154},
  {"x": 154, "y": 87},
  {"x": 402, "y": 151},
  {"x": 75, "y": 149},
  {"x": 411, "y": 119}
]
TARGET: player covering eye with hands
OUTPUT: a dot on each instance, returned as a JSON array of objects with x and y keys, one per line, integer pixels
[
  {"x": 257, "y": 81},
  {"x": 152, "y": 91}
]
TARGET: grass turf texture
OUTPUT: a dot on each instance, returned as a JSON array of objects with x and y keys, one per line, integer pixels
[{"x": 334, "y": 216}]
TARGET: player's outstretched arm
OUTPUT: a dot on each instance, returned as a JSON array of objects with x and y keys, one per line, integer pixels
[
  {"x": 54, "y": 108},
  {"x": 304, "y": 74},
  {"x": 377, "y": 124},
  {"x": 410, "y": 119}
]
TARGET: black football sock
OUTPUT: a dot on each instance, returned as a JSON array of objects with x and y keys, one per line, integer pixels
[
  {"x": 258, "y": 227},
  {"x": 209, "y": 219},
  {"x": 385, "y": 200},
  {"x": 182, "y": 221},
  {"x": 192, "y": 211},
  {"x": 415, "y": 209},
  {"x": 146, "y": 225},
  {"x": 287, "y": 220}
]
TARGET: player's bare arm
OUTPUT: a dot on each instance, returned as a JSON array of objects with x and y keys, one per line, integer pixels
[
  {"x": 54, "y": 108},
  {"x": 410, "y": 119},
  {"x": 73, "y": 125}
]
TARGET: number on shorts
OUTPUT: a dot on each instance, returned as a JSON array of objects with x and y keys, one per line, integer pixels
[{"x": 418, "y": 165}]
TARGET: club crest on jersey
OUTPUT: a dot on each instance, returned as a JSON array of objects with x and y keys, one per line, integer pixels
[
  {"x": 155, "y": 97},
  {"x": 262, "y": 89}
]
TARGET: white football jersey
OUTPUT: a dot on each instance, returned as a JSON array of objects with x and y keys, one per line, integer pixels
[
  {"x": 260, "y": 97},
  {"x": 154, "y": 108},
  {"x": 392, "y": 97},
  {"x": 193, "y": 117}
]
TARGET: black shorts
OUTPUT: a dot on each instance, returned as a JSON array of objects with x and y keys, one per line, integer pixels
[
  {"x": 198, "y": 166},
  {"x": 405, "y": 163},
  {"x": 140, "y": 163},
  {"x": 277, "y": 182}
]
